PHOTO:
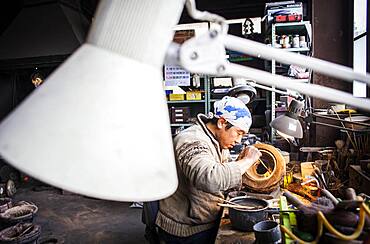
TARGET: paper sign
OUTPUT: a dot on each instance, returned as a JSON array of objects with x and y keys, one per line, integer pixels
[{"x": 176, "y": 76}]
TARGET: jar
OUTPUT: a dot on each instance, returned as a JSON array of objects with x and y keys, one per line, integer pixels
[
  {"x": 286, "y": 43},
  {"x": 302, "y": 42},
  {"x": 296, "y": 41}
]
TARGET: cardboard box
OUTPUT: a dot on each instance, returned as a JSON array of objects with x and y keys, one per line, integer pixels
[
  {"x": 194, "y": 95},
  {"x": 176, "y": 97}
]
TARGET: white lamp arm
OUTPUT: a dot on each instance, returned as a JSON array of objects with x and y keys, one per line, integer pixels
[
  {"x": 265, "y": 52},
  {"x": 206, "y": 54}
]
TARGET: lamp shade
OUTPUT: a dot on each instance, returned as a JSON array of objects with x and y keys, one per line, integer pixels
[
  {"x": 288, "y": 124},
  {"x": 99, "y": 125}
]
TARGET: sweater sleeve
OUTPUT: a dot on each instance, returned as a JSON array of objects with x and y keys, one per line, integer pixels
[{"x": 204, "y": 171}]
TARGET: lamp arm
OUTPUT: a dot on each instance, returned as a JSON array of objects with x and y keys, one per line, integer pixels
[
  {"x": 263, "y": 51},
  {"x": 205, "y": 16},
  {"x": 341, "y": 120},
  {"x": 313, "y": 90},
  {"x": 339, "y": 127},
  {"x": 291, "y": 94},
  {"x": 206, "y": 54}
]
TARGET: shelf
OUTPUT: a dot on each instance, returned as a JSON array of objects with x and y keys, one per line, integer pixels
[
  {"x": 291, "y": 23},
  {"x": 183, "y": 124},
  {"x": 302, "y": 28},
  {"x": 187, "y": 101},
  {"x": 300, "y": 80},
  {"x": 298, "y": 49}
]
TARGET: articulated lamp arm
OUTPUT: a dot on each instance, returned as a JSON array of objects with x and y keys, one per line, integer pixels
[{"x": 206, "y": 54}]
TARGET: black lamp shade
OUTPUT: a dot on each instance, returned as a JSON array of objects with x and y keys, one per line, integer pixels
[{"x": 288, "y": 126}]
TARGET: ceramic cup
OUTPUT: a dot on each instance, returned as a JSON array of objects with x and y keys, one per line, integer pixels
[{"x": 267, "y": 231}]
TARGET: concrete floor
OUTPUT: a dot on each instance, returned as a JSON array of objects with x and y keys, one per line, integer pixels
[{"x": 69, "y": 218}]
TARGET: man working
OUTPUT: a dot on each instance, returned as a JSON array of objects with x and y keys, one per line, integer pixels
[{"x": 191, "y": 214}]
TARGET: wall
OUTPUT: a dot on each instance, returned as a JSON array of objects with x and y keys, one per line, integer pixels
[{"x": 332, "y": 41}]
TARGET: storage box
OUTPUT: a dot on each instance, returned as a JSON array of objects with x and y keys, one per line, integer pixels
[
  {"x": 176, "y": 97},
  {"x": 179, "y": 114},
  {"x": 194, "y": 95}
]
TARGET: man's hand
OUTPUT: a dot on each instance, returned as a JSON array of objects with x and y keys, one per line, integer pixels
[{"x": 248, "y": 157}]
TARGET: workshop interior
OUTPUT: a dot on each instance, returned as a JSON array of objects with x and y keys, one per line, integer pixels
[{"x": 93, "y": 92}]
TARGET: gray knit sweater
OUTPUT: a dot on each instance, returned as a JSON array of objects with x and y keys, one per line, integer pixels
[{"x": 204, "y": 174}]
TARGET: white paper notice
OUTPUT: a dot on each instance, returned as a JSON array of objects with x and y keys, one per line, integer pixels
[{"x": 176, "y": 76}]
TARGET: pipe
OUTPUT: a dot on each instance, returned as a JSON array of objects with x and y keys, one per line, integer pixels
[
  {"x": 313, "y": 90},
  {"x": 262, "y": 51}
]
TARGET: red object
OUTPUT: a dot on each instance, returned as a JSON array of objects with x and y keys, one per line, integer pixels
[
  {"x": 295, "y": 17},
  {"x": 288, "y": 18},
  {"x": 281, "y": 18}
]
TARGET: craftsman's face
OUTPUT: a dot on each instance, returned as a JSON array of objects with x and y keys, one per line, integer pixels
[{"x": 228, "y": 138}]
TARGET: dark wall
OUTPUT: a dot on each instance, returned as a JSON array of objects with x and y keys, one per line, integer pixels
[
  {"x": 16, "y": 85},
  {"x": 7, "y": 90},
  {"x": 332, "y": 40}
]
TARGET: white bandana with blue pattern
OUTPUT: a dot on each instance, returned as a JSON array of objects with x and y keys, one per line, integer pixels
[{"x": 234, "y": 111}]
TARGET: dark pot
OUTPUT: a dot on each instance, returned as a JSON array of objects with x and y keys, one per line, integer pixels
[
  {"x": 267, "y": 231},
  {"x": 244, "y": 219}
]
